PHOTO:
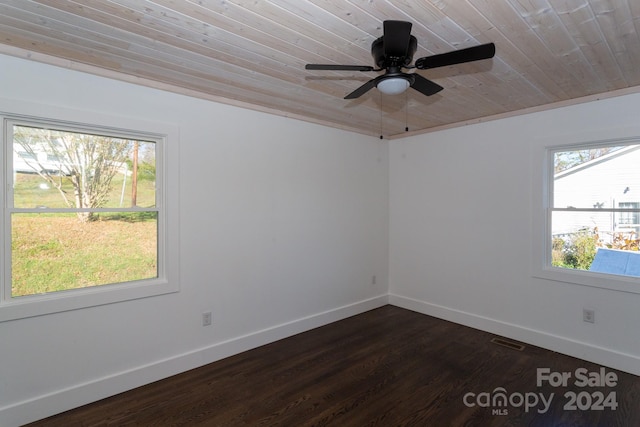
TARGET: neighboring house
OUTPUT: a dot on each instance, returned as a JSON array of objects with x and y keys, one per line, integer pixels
[
  {"x": 608, "y": 182},
  {"x": 41, "y": 160},
  {"x": 38, "y": 161}
]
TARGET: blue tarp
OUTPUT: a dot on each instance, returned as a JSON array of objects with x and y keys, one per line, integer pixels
[{"x": 626, "y": 263}]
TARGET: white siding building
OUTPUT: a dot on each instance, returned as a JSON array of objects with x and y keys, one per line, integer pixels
[{"x": 608, "y": 182}]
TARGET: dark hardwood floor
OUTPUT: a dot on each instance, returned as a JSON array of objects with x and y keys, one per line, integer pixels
[{"x": 386, "y": 367}]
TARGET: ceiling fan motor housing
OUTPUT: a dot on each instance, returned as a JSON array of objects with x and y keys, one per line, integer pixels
[{"x": 377, "y": 51}]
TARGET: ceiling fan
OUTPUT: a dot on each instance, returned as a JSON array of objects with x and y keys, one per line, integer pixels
[{"x": 394, "y": 51}]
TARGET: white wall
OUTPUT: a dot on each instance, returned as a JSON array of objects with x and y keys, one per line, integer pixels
[
  {"x": 461, "y": 233},
  {"x": 283, "y": 224}
]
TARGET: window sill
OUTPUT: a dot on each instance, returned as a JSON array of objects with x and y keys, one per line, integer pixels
[
  {"x": 55, "y": 302},
  {"x": 606, "y": 281}
]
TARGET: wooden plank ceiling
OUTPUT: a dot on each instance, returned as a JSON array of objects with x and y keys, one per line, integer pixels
[{"x": 252, "y": 53}]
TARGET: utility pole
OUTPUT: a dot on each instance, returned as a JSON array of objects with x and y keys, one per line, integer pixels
[{"x": 134, "y": 176}]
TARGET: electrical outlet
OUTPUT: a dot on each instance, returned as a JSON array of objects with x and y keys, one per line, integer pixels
[
  {"x": 206, "y": 319},
  {"x": 588, "y": 316}
]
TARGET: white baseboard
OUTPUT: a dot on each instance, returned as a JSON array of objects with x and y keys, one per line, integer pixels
[
  {"x": 62, "y": 400},
  {"x": 602, "y": 356}
]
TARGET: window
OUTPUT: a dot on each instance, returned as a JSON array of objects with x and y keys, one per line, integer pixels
[
  {"x": 592, "y": 214},
  {"x": 629, "y": 217},
  {"x": 85, "y": 218}
]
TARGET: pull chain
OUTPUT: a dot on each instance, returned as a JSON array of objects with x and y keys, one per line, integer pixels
[
  {"x": 406, "y": 111},
  {"x": 381, "y": 137}
]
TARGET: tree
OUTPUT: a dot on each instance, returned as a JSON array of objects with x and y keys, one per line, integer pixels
[
  {"x": 89, "y": 161},
  {"x": 567, "y": 159}
]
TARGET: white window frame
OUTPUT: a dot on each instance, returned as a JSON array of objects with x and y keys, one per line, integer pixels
[
  {"x": 167, "y": 183},
  {"x": 543, "y": 176}
]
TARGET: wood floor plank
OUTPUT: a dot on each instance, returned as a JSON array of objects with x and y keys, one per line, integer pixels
[{"x": 385, "y": 367}]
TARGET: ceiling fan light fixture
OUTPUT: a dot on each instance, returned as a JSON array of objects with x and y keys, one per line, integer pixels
[{"x": 393, "y": 85}]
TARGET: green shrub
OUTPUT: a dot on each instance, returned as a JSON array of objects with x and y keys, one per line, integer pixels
[{"x": 577, "y": 252}]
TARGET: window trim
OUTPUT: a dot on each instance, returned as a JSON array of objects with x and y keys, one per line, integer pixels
[
  {"x": 167, "y": 158},
  {"x": 542, "y": 204}
]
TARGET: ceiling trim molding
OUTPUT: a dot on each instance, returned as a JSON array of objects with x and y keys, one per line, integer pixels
[
  {"x": 536, "y": 109},
  {"x": 128, "y": 78}
]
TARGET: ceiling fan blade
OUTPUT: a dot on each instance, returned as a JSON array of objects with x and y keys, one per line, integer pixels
[
  {"x": 338, "y": 67},
  {"x": 425, "y": 86},
  {"x": 397, "y": 35},
  {"x": 362, "y": 89},
  {"x": 469, "y": 54}
]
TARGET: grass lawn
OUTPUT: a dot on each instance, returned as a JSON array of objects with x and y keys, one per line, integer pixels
[{"x": 55, "y": 251}]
